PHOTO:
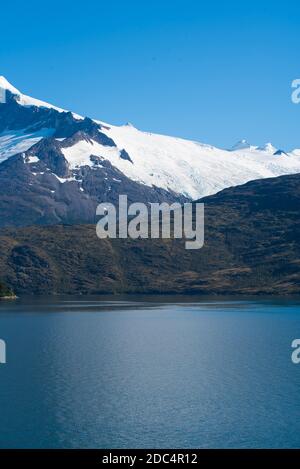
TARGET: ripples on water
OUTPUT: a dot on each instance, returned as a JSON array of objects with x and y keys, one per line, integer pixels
[{"x": 149, "y": 372}]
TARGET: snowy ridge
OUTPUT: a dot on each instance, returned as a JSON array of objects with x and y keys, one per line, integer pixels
[
  {"x": 186, "y": 167},
  {"x": 174, "y": 164},
  {"x": 25, "y": 100}
]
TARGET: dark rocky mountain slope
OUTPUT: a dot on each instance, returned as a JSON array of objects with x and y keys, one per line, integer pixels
[{"x": 252, "y": 246}]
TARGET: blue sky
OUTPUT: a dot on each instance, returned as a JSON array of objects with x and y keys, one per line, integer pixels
[{"x": 210, "y": 71}]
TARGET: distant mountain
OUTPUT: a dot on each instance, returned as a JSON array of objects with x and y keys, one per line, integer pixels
[
  {"x": 252, "y": 246},
  {"x": 241, "y": 145},
  {"x": 56, "y": 166},
  {"x": 268, "y": 148},
  {"x": 280, "y": 153}
]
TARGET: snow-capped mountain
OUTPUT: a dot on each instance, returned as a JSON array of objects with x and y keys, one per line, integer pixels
[
  {"x": 56, "y": 165},
  {"x": 241, "y": 145}
]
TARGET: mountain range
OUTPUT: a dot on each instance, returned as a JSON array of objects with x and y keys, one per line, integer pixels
[{"x": 56, "y": 166}]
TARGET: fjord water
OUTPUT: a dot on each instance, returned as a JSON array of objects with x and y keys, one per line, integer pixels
[{"x": 149, "y": 372}]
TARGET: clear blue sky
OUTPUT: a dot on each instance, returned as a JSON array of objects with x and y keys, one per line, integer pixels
[{"x": 210, "y": 71}]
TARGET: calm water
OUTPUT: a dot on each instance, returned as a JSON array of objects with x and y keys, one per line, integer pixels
[{"x": 144, "y": 373}]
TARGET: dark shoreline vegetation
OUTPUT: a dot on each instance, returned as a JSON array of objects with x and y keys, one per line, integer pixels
[
  {"x": 5, "y": 292},
  {"x": 252, "y": 247}
]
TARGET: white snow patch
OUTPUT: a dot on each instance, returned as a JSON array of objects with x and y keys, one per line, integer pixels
[
  {"x": 80, "y": 153},
  {"x": 63, "y": 180},
  {"x": 33, "y": 159}
]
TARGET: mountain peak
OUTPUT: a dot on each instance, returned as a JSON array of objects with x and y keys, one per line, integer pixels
[
  {"x": 25, "y": 100},
  {"x": 129, "y": 124},
  {"x": 241, "y": 145},
  {"x": 268, "y": 147},
  {"x": 4, "y": 84}
]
